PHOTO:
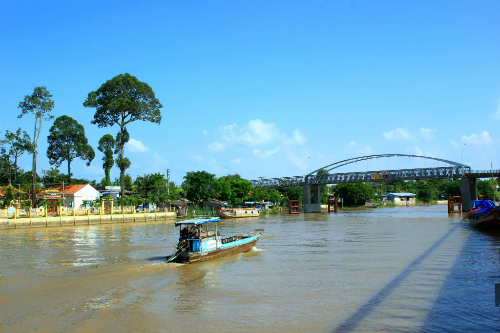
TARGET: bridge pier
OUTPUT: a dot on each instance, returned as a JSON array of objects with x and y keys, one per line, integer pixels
[
  {"x": 469, "y": 192},
  {"x": 314, "y": 205}
]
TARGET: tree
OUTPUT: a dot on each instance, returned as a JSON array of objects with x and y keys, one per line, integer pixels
[
  {"x": 454, "y": 188},
  {"x": 199, "y": 185},
  {"x": 424, "y": 193},
  {"x": 353, "y": 193},
  {"x": 40, "y": 104},
  {"x": 233, "y": 189},
  {"x": 323, "y": 188},
  {"x": 485, "y": 187},
  {"x": 293, "y": 193},
  {"x": 8, "y": 195},
  {"x": 122, "y": 100},
  {"x": 107, "y": 146},
  {"x": 19, "y": 144},
  {"x": 6, "y": 166},
  {"x": 67, "y": 141},
  {"x": 53, "y": 177}
]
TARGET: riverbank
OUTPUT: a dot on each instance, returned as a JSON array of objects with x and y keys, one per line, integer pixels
[{"x": 58, "y": 221}]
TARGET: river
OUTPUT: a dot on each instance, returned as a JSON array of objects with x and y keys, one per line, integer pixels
[{"x": 403, "y": 269}]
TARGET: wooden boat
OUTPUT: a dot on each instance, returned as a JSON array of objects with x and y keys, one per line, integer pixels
[
  {"x": 197, "y": 243},
  {"x": 484, "y": 214},
  {"x": 237, "y": 212}
]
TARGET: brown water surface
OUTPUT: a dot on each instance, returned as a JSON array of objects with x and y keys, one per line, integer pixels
[{"x": 374, "y": 270}]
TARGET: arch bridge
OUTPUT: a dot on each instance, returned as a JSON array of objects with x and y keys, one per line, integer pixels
[{"x": 311, "y": 181}]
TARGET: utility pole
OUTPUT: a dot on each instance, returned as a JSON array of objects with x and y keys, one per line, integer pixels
[{"x": 168, "y": 181}]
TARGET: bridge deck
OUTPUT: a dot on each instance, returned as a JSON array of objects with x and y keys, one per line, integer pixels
[{"x": 375, "y": 176}]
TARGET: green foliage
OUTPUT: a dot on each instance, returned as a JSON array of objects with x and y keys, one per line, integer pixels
[
  {"x": 6, "y": 167},
  {"x": 54, "y": 177},
  {"x": 107, "y": 146},
  {"x": 425, "y": 193},
  {"x": 120, "y": 101},
  {"x": 353, "y": 194},
  {"x": 67, "y": 141},
  {"x": 292, "y": 193},
  {"x": 233, "y": 189},
  {"x": 39, "y": 104},
  {"x": 199, "y": 185},
  {"x": 266, "y": 194},
  {"x": 26, "y": 204},
  {"x": 485, "y": 187},
  {"x": 453, "y": 188},
  {"x": 8, "y": 195},
  {"x": 323, "y": 188},
  {"x": 19, "y": 143}
]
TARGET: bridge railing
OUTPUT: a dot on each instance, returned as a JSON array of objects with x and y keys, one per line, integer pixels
[
  {"x": 486, "y": 172},
  {"x": 358, "y": 177},
  {"x": 368, "y": 176}
]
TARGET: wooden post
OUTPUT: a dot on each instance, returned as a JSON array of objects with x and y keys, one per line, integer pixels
[
  {"x": 111, "y": 206},
  {"x": 29, "y": 210},
  {"x": 144, "y": 209},
  {"x": 15, "y": 219},
  {"x": 88, "y": 216}
]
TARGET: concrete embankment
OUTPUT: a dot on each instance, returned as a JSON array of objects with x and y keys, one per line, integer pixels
[{"x": 58, "y": 221}]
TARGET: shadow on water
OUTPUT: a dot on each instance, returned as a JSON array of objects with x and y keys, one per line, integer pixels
[
  {"x": 351, "y": 323},
  {"x": 160, "y": 258},
  {"x": 462, "y": 304}
]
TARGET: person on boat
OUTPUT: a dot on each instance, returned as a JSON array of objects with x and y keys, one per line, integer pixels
[{"x": 184, "y": 232}]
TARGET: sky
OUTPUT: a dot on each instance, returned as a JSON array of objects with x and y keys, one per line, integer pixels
[{"x": 265, "y": 88}]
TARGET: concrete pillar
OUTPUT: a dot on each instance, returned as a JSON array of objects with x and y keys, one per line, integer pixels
[
  {"x": 306, "y": 190},
  {"x": 469, "y": 192},
  {"x": 313, "y": 206}
]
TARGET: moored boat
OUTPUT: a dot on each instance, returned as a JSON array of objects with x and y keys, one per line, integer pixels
[
  {"x": 198, "y": 243},
  {"x": 484, "y": 214},
  {"x": 237, "y": 212}
]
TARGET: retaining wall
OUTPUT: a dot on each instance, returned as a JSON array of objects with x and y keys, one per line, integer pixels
[{"x": 57, "y": 221}]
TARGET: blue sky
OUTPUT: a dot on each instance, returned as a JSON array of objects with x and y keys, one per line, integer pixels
[{"x": 265, "y": 88}]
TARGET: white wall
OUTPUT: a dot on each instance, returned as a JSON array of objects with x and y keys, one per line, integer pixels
[{"x": 86, "y": 193}]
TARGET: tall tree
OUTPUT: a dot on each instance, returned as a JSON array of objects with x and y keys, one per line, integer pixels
[
  {"x": 233, "y": 189},
  {"x": 40, "y": 104},
  {"x": 199, "y": 185},
  {"x": 122, "y": 100},
  {"x": 19, "y": 143},
  {"x": 67, "y": 141},
  {"x": 107, "y": 146}
]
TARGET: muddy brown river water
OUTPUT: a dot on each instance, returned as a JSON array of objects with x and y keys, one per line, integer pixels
[{"x": 408, "y": 269}]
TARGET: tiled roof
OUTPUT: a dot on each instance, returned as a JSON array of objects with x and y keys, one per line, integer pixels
[{"x": 69, "y": 189}]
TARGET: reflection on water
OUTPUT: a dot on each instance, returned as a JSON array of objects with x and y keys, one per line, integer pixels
[{"x": 401, "y": 269}]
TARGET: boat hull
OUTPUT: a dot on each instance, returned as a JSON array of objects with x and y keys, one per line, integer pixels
[
  {"x": 237, "y": 213},
  {"x": 490, "y": 220}
]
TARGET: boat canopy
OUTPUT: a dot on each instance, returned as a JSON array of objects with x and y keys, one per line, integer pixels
[
  {"x": 198, "y": 221},
  {"x": 483, "y": 203}
]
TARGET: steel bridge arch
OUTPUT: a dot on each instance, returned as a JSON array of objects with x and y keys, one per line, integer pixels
[{"x": 369, "y": 157}]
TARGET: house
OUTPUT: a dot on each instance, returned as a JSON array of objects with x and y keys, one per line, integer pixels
[
  {"x": 400, "y": 199},
  {"x": 75, "y": 194}
]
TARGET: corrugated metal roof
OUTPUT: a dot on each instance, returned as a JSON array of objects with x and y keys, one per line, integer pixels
[{"x": 402, "y": 194}]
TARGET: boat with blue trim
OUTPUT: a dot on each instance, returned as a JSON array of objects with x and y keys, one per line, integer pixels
[
  {"x": 484, "y": 214},
  {"x": 198, "y": 243}
]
